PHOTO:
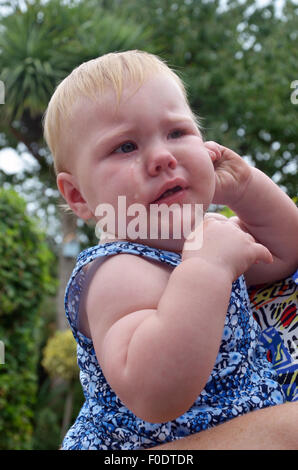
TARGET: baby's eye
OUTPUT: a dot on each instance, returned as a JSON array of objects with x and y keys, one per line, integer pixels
[
  {"x": 177, "y": 133},
  {"x": 126, "y": 148}
]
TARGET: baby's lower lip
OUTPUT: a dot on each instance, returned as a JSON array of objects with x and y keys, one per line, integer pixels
[{"x": 172, "y": 198}]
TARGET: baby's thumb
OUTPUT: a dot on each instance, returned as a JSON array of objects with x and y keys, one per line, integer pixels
[{"x": 263, "y": 254}]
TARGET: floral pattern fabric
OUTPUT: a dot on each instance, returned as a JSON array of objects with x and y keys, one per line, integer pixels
[{"x": 242, "y": 379}]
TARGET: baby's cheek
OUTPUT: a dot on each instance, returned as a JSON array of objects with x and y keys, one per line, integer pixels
[{"x": 211, "y": 180}]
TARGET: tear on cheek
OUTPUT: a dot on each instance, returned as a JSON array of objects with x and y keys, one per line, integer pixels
[{"x": 134, "y": 177}]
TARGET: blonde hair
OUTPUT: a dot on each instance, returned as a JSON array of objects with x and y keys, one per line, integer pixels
[{"x": 92, "y": 77}]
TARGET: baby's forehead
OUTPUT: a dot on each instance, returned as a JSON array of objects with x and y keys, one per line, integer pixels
[{"x": 113, "y": 101}]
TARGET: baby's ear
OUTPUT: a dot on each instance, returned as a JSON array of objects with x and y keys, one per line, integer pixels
[{"x": 68, "y": 187}]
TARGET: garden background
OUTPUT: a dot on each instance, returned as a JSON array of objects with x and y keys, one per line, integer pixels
[{"x": 239, "y": 59}]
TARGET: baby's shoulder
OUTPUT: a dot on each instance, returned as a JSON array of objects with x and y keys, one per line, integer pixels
[
  {"x": 124, "y": 274},
  {"x": 124, "y": 283},
  {"x": 120, "y": 270}
]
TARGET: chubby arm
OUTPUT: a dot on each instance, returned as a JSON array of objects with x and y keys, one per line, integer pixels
[
  {"x": 271, "y": 217},
  {"x": 156, "y": 334},
  {"x": 263, "y": 210}
]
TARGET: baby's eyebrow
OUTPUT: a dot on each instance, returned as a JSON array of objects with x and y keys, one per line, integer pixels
[
  {"x": 123, "y": 131},
  {"x": 111, "y": 136},
  {"x": 177, "y": 119}
]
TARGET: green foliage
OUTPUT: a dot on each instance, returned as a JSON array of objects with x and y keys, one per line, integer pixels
[
  {"x": 40, "y": 44},
  {"x": 261, "y": 119},
  {"x": 238, "y": 63},
  {"x": 60, "y": 356},
  {"x": 227, "y": 212},
  {"x": 49, "y": 412},
  {"x": 24, "y": 282},
  {"x": 37, "y": 51}
]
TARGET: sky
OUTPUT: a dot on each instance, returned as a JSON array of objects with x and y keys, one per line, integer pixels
[{"x": 11, "y": 163}]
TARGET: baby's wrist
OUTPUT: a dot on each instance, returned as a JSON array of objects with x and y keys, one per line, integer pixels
[
  {"x": 244, "y": 196},
  {"x": 209, "y": 264}
]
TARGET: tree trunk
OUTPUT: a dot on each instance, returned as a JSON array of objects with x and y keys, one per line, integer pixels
[{"x": 66, "y": 265}]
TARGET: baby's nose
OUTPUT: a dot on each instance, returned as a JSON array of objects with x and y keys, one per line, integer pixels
[{"x": 160, "y": 161}]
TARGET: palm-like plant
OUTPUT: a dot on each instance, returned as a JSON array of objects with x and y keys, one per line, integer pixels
[{"x": 40, "y": 44}]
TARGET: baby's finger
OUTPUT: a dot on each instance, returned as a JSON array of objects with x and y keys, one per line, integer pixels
[
  {"x": 235, "y": 220},
  {"x": 213, "y": 149},
  {"x": 228, "y": 153},
  {"x": 215, "y": 215},
  {"x": 263, "y": 254}
]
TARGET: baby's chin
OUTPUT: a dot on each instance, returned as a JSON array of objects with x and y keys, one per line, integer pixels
[{"x": 167, "y": 231}]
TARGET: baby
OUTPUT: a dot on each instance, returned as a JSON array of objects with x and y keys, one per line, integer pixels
[{"x": 170, "y": 348}]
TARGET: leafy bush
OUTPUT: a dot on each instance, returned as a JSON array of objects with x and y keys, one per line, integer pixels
[
  {"x": 60, "y": 356},
  {"x": 50, "y": 410},
  {"x": 25, "y": 280}
]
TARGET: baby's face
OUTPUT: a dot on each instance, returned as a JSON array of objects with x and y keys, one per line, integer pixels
[{"x": 139, "y": 149}]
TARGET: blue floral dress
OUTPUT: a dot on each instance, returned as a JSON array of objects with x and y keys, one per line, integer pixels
[{"x": 242, "y": 379}]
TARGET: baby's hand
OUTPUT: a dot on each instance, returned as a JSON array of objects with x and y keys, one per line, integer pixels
[
  {"x": 228, "y": 247},
  {"x": 232, "y": 174}
]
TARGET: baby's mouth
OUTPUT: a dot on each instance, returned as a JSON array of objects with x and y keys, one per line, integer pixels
[
  {"x": 168, "y": 193},
  {"x": 171, "y": 196}
]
